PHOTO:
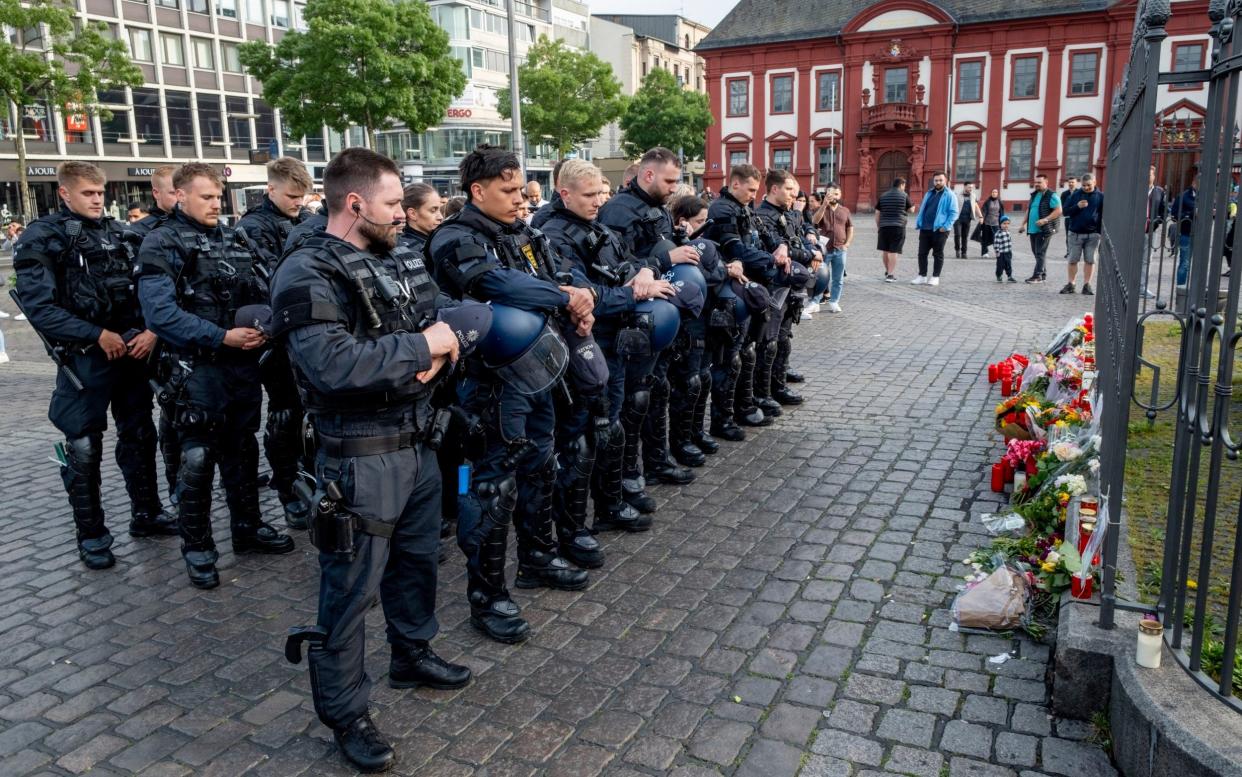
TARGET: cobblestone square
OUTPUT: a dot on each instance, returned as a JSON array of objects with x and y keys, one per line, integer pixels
[{"x": 786, "y": 616}]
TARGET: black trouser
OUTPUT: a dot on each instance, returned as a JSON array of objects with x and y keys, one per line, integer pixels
[
  {"x": 655, "y": 425},
  {"x": 1004, "y": 264},
  {"x": 987, "y": 234},
  {"x": 685, "y": 376},
  {"x": 933, "y": 242},
  {"x": 401, "y": 488},
  {"x": 1039, "y": 247},
  {"x": 217, "y": 418},
  {"x": 961, "y": 236},
  {"x": 122, "y": 386},
  {"x": 282, "y": 435}
]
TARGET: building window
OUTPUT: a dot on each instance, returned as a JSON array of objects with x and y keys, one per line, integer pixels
[
  {"x": 1186, "y": 58},
  {"x": 828, "y": 91},
  {"x": 180, "y": 119},
  {"x": 1021, "y": 159},
  {"x": 116, "y": 126},
  {"x": 1084, "y": 73},
  {"x": 782, "y": 94},
  {"x": 896, "y": 85},
  {"x": 280, "y": 13},
  {"x": 230, "y": 57},
  {"x": 254, "y": 11},
  {"x": 644, "y": 69},
  {"x": 739, "y": 97},
  {"x": 826, "y": 164},
  {"x": 140, "y": 44},
  {"x": 167, "y": 3},
  {"x": 970, "y": 81},
  {"x": 227, "y": 8},
  {"x": 966, "y": 160},
  {"x": 488, "y": 59},
  {"x": 171, "y": 48},
  {"x": 204, "y": 54},
  {"x": 265, "y": 127},
  {"x": 197, "y": 6},
  {"x": 1078, "y": 155},
  {"x": 210, "y": 122},
  {"x": 738, "y": 158},
  {"x": 1025, "y": 84},
  {"x": 782, "y": 158},
  {"x": 148, "y": 126},
  {"x": 239, "y": 122}
]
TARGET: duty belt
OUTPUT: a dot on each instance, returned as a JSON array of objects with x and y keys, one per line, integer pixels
[{"x": 352, "y": 447}]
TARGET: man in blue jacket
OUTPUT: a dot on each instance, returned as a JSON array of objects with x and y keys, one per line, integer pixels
[
  {"x": 936, "y": 217},
  {"x": 1084, "y": 216}
]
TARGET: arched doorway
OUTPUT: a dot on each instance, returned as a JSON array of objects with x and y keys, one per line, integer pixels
[{"x": 891, "y": 165}]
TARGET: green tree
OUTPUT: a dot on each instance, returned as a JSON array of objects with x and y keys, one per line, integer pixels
[
  {"x": 566, "y": 95},
  {"x": 661, "y": 113},
  {"x": 366, "y": 63},
  {"x": 53, "y": 59}
]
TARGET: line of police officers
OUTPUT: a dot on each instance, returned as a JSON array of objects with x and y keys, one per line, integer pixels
[{"x": 481, "y": 370}]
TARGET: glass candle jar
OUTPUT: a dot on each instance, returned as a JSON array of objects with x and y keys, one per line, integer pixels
[{"x": 1149, "y": 639}]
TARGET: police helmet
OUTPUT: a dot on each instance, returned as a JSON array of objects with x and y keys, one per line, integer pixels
[
  {"x": 734, "y": 303},
  {"x": 663, "y": 321},
  {"x": 691, "y": 288},
  {"x": 523, "y": 350}
]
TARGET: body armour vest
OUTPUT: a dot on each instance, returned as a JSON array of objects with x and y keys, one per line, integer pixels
[
  {"x": 96, "y": 276},
  {"x": 521, "y": 248},
  {"x": 218, "y": 276}
]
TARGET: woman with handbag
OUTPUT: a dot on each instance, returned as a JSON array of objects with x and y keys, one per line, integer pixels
[{"x": 992, "y": 209}]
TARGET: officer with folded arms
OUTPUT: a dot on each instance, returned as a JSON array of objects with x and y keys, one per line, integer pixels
[
  {"x": 199, "y": 291},
  {"x": 357, "y": 315},
  {"x": 485, "y": 252},
  {"x": 75, "y": 280}
]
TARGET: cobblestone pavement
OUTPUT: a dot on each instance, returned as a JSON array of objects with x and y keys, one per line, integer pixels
[{"x": 786, "y": 616}]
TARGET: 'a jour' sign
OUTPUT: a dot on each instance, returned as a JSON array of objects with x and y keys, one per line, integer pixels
[{"x": 36, "y": 170}]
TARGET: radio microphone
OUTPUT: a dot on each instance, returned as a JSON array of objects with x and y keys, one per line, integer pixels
[{"x": 393, "y": 223}]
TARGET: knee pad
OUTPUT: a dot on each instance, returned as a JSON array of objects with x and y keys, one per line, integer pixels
[
  {"x": 639, "y": 401},
  {"x": 694, "y": 384},
  {"x": 196, "y": 459},
  {"x": 87, "y": 449}
]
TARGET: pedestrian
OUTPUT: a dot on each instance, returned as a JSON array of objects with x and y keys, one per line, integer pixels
[
  {"x": 1002, "y": 243},
  {"x": 835, "y": 223},
  {"x": 12, "y": 231},
  {"x": 1183, "y": 212},
  {"x": 1157, "y": 212},
  {"x": 370, "y": 404},
  {"x": 135, "y": 212},
  {"x": 196, "y": 276},
  {"x": 936, "y": 216},
  {"x": 1042, "y": 215},
  {"x": 453, "y": 205},
  {"x": 891, "y": 213},
  {"x": 534, "y": 195},
  {"x": 75, "y": 280},
  {"x": 991, "y": 209},
  {"x": 486, "y": 253},
  {"x": 1084, "y": 215},
  {"x": 1071, "y": 186},
  {"x": 967, "y": 214}
]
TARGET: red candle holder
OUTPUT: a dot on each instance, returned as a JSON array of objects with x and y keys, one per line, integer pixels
[
  {"x": 1008, "y": 468},
  {"x": 998, "y": 478},
  {"x": 1081, "y": 587},
  {"x": 1020, "y": 359},
  {"x": 993, "y": 373},
  {"x": 1006, "y": 386}
]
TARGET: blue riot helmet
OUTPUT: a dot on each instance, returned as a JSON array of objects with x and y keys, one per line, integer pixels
[
  {"x": 733, "y": 303},
  {"x": 823, "y": 277},
  {"x": 661, "y": 319},
  {"x": 523, "y": 350},
  {"x": 470, "y": 321},
  {"x": 691, "y": 288}
]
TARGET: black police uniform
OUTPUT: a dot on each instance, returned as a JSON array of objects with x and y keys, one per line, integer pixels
[
  {"x": 591, "y": 434},
  {"x": 194, "y": 280},
  {"x": 646, "y": 232},
  {"x": 785, "y": 225},
  {"x": 310, "y": 226},
  {"x": 690, "y": 373},
  {"x": 740, "y": 236},
  {"x": 170, "y": 449},
  {"x": 75, "y": 277},
  {"x": 514, "y": 470},
  {"x": 267, "y": 229},
  {"x": 350, "y": 321}
]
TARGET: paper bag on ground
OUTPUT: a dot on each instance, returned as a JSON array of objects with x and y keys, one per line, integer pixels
[{"x": 996, "y": 602}]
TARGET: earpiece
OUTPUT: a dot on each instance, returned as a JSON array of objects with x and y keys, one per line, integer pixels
[{"x": 357, "y": 207}]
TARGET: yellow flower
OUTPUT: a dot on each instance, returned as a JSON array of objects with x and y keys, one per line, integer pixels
[
  {"x": 1192, "y": 585},
  {"x": 1060, "y": 422},
  {"x": 1048, "y": 566},
  {"x": 1057, "y": 543}
]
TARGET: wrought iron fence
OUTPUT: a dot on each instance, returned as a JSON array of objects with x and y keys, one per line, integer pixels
[{"x": 1177, "y": 271}]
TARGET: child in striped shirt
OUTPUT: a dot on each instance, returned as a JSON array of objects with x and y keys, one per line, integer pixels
[{"x": 1003, "y": 243}]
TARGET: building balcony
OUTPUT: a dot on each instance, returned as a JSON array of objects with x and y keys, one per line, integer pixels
[{"x": 893, "y": 116}]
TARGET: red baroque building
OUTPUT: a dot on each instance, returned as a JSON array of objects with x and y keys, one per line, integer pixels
[{"x": 991, "y": 91}]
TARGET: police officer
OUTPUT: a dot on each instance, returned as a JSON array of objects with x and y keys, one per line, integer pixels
[
  {"x": 197, "y": 276},
  {"x": 164, "y": 197},
  {"x": 638, "y": 217},
  {"x": 590, "y": 439},
  {"x": 75, "y": 279},
  {"x": 266, "y": 227},
  {"x": 783, "y": 222},
  {"x": 742, "y": 238},
  {"x": 485, "y": 253},
  {"x": 349, "y": 306},
  {"x": 424, "y": 210}
]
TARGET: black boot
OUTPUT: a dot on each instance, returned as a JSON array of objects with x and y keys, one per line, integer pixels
[
  {"x": 681, "y": 425},
  {"x": 612, "y": 512},
  {"x": 657, "y": 466},
  {"x": 81, "y": 478},
  {"x": 723, "y": 426},
  {"x": 194, "y": 489},
  {"x": 745, "y": 411},
  {"x": 699, "y": 435},
  {"x": 170, "y": 451},
  {"x": 576, "y": 542},
  {"x": 364, "y": 746},
  {"x": 420, "y": 666},
  {"x": 780, "y": 390},
  {"x": 541, "y": 569},
  {"x": 492, "y": 611},
  {"x": 250, "y": 533},
  {"x": 794, "y": 377},
  {"x": 297, "y": 512},
  {"x": 282, "y": 439},
  {"x": 633, "y": 486},
  {"x": 763, "y": 380},
  {"x": 499, "y": 618},
  {"x": 160, "y": 524},
  {"x": 538, "y": 564},
  {"x": 135, "y": 453}
]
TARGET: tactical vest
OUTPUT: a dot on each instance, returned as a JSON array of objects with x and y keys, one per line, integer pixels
[
  {"x": 786, "y": 226},
  {"x": 97, "y": 273},
  {"x": 386, "y": 296},
  {"x": 653, "y": 222},
  {"x": 412, "y": 239},
  {"x": 524, "y": 249},
  {"x": 218, "y": 277},
  {"x": 600, "y": 250}
]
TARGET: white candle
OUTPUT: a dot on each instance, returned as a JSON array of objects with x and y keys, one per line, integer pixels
[{"x": 1149, "y": 642}]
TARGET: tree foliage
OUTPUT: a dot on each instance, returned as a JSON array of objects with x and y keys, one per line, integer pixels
[
  {"x": 661, "y": 113},
  {"x": 367, "y": 63},
  {"x": 566, "y": 95},
  {"x": 85, "y": 60}
]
